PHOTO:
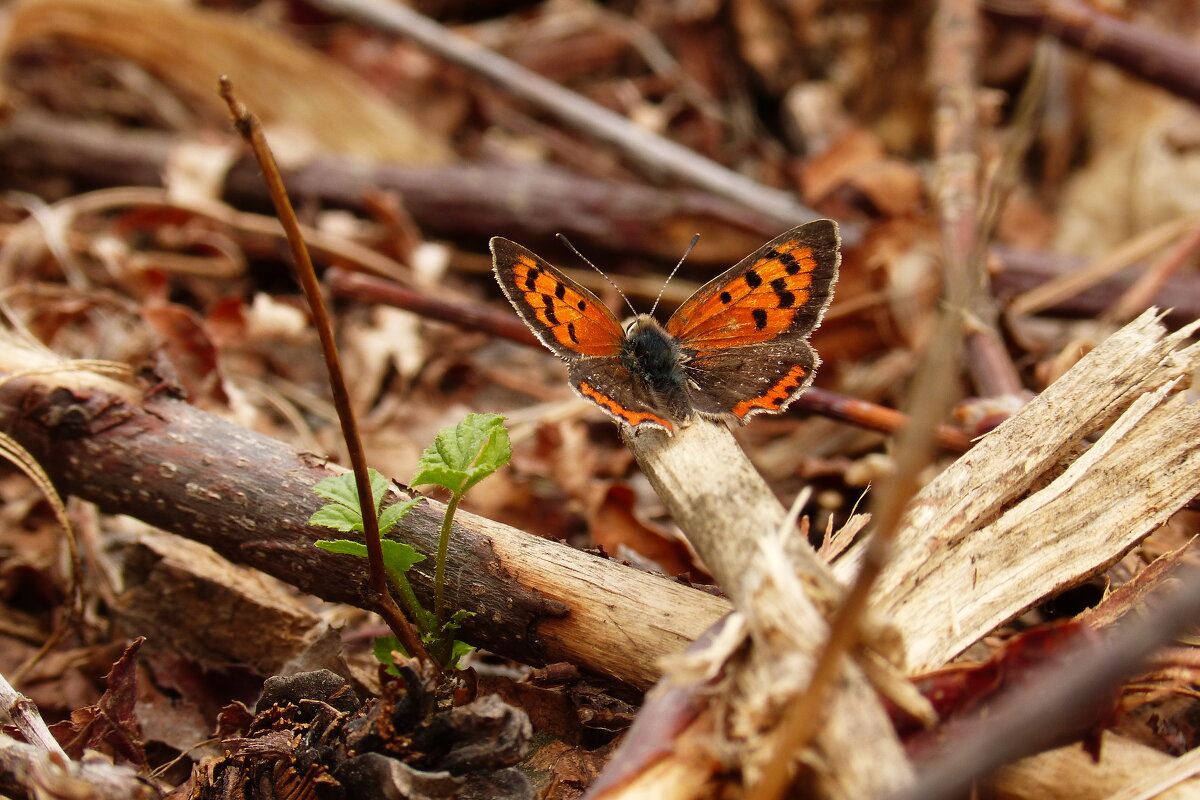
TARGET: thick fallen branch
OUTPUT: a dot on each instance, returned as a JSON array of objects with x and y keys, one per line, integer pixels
[{"x": 248, "y": 496}]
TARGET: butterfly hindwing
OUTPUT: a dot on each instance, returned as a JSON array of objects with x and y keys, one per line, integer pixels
[
  {"x": 779, "y": 292},
  {"x": 608, "y": 383},
  {"x": 568, "y": 318},
  {"x": 744, "y": 381}
]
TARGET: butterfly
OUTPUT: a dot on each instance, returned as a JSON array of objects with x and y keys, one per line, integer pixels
[{"x": 737, "y": 347}]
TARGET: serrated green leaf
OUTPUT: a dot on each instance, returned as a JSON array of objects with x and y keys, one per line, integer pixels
[
  {"x": 343, "y": 490},
  {"x": 343, "y": 547},
  {"x": 398, "y": 557},
  {"x": 338, "y": 517},
  {"x": 394, "y": 513},
  {"x": 465, "y": 454}
]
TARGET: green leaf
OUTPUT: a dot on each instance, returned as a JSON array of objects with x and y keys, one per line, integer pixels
[
  {"x": 338, "y": 517},
  {"x": 343, "y": 547},
  {"x": 343, "y": 490},
  {"x": 383, "y": 648},
  {"x": 462, "y": 456},
  {"x": 398, "y": 557},
  {"x": 458, "y": 649},
  {"x": 394, "y": 513}
]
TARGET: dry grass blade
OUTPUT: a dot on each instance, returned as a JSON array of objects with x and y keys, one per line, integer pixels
[{"x": 1072, "y": 283}]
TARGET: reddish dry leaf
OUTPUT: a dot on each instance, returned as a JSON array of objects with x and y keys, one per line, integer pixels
[
  {"x": 1127, "y": 597},
  {"x": 960, "y": 693},
  {"x": 614, "y": 525},
  {"x": 194, "y": 358},
  {"x": 110, "y": 726}
]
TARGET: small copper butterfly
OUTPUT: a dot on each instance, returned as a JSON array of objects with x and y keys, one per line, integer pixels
[{"x": 738, "y": 346}]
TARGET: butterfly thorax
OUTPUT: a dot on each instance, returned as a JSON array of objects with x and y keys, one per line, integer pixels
[{"x": 653, "y": 355}]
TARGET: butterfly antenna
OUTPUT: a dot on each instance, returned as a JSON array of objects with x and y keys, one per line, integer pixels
[
  {"x": 583, "y": 258},
  {"x": 690, "y": 247}
]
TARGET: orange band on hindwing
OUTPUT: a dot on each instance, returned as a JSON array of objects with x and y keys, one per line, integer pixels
[
  {"x": 629, "y": 416},
  {"x": 776, "y": 396}
]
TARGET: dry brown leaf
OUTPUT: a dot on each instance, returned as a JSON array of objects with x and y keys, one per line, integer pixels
[{"x": 283, "y": 82}]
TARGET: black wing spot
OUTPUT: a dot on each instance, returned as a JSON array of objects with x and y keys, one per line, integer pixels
[
  {"x": 548, "y": 310},
  {"x": 582, "y": 305},
  {"x": 531, "y": 279},
  {"x": 786, "y": 299},
  {"x": 760, "y": 317},
  {"x": 560, "y": 291},
  {"x": 788, "y": 260},
  {"x": 753, "y": 279},
  {"x": 726, "y": 298},
  {"x": 571, "y": 332}
]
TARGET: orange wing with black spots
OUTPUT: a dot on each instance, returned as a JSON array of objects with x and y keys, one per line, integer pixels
[
  {"x": 565, "y": 316},
  {"x": 745, "y": 333},
  {"x": 779, "y": 291},
  {"x": 736, "y": 348}
]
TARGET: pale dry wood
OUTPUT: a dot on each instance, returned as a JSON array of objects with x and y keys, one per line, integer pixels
[
  {"x": 22, "y": 712},
  {"x": 43, "y": 774},
  {"x": 970, "y": 556},
  {"x": 1069, "y": 773},
  {"x": 621, "y": 621},
  {"x": 783, "y": 591}
]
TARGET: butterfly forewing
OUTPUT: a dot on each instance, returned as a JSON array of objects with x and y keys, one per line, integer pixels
[
  {"x": 780, "y": 290},
  {"x": 568, "y": 318}
]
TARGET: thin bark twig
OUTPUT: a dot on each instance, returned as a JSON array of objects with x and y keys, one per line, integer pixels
[
  {"x": 1158, "y": 57},
  {"x": 382, "y": 600},
  {"x": 657, "y": 154}
]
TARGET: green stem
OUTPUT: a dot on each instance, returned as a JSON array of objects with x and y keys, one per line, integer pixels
[
  {"x": 408, "y": 598},
  {"x": 439, "y": 573}
]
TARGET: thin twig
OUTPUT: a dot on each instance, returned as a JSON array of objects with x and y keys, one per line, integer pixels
[
  {"x": 657, "y": 154},
  {"x": 250, "y": 129},
  {"x": 1156, "y": 56},
  {"x": 954, "y": 75},
  {"x": 1139, "y": 296}
]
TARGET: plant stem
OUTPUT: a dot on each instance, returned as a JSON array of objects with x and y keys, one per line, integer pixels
[
  {"x": 251, "y": 130},
  {"x": 439, "y": 572}
]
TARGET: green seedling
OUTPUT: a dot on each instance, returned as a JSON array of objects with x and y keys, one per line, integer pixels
[{"x": 459, "y": 458}]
